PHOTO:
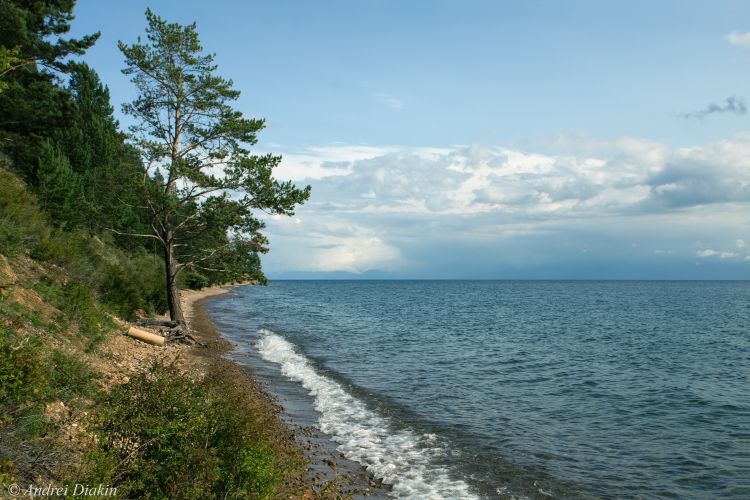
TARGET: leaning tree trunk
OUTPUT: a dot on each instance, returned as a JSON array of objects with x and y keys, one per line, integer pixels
[{"x": 173, "y": 293}]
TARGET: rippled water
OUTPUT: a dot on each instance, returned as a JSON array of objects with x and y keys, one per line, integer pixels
[{"x": 457, "y": 389}]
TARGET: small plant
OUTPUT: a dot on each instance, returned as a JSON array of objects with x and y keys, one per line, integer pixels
[
  {"x": 23, "y": 375},
  {"x": 70, "y": 376}
]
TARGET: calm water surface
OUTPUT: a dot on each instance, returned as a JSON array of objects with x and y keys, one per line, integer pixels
[{"x": 502, "y": 389}]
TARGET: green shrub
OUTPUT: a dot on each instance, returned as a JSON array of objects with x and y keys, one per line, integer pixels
[
  {"x": 23, "y": 374},
  {"x": 171, "y": 437},
  {"x": 196, "y": 281},
  {"x": 134, "y": 284},
  {"x": 31, "y": 372},
  {"x": 69, "y": 376},
  {"x": 22, "y": 224}
]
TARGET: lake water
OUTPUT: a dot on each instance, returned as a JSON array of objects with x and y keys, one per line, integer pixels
[{"x": 516, "y": 389}]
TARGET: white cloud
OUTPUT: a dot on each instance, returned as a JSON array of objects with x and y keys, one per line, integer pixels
[
  {"x": 740, "y": 39},
  {"x": 740, "y": 243},
  {"x": 373, "y": 207},
  {"x": 709, "y": 253},
  {"x": 323, "y": 161},
  {"x": 322, "y": 243},
  {"x": 475, "y": 180},
  {"x": 357, "y": 254}
]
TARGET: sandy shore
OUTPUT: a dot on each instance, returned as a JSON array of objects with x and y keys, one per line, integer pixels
[{"x": 189, "y": 299}]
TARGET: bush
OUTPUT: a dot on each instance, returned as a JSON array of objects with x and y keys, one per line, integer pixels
[
  {"x": 70, "y": 376},
  {"x": 22, "y": 224},
  {"x": 132, "y": 284},
  {"x": 32, "y": 373},
  {"x": 196, "y": 281},
  {"x": 23, "y": 371},
  {"x": 171, "y": 437}
]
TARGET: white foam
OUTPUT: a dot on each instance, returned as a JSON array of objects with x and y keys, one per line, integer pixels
[{"x": 402, "y": 459}]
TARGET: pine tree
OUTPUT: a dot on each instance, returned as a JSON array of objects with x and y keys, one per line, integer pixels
[
  {"x": 194, "y": 145},
  {"x": 59, "y": 186},
  {"x": 33, "y": 50},
  {"x": 98, "y": 153}
]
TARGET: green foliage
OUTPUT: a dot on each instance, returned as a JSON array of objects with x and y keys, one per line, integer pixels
[
  {"x": 135, "y": 284},
  {"x": 59, "y": 186},
  {"x": 186, "y": 129},
  {"x": 9, "y": 61},
  {"x": 164, "y": 436},
  {"x": 70, "y": 375},
  {"x": 23, "y": 374},
  {"x": 105, "y": 166},
  {"x": 124, "y": 281},
  {"x": 22, "y": 224},
  {"x": 196, "y": 281},
  {"x": 64, "y": 141},
  {"x": 36, "y": 28},
  {"x": 32, "y": 106},
  {"x": 79, "y": 306}
]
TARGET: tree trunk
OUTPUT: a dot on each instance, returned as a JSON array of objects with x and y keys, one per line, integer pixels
[{"x": 173, "y": 293}]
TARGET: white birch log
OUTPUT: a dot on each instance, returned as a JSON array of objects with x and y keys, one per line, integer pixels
[{"x": 144, "y": 336}]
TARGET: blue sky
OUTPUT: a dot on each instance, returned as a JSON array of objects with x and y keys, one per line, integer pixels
[{"x": 517, "y": 139}]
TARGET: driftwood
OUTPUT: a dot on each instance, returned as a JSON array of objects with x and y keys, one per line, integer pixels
[
  {"x": 144, "y": 336},
  {"x": 172, "y": 331},
  {"x": 184, "y": 337},
  {"x": 157, "y": 322}
]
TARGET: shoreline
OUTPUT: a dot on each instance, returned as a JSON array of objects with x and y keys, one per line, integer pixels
[{"x": 327, "y": 469}]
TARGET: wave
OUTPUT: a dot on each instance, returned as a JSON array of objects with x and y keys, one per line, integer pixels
[{"x": 403, "y": 459}]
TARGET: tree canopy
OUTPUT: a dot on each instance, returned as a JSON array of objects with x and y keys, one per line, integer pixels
[
  {"x": 183, "y": 180},
  {"x": 33, "y": 50},
  {"x": 202, "y": 184}
]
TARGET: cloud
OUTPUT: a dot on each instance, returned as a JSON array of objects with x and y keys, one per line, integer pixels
[
  {"x": 733, "y": 105},
  {"x": 514, "y": 184},
  {"x": 317, "y": 162},
  {"x": 330, "y": 244},
  {"x": 739, "y": 39},
  {"x": 714, "y": 173},
  {"x": 432, "y": 210},
  {"x": 709, "y": 253},
  {"x": 739, "y": 243}
]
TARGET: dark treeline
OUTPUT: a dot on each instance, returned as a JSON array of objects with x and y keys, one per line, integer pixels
[
  {"x": 96, "y": 224},
  {"x": 59, "y": 135},
  {"x": 66, "y": 167}
]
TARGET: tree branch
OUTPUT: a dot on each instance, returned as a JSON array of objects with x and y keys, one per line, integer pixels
[{"x": 139, "y": 235}]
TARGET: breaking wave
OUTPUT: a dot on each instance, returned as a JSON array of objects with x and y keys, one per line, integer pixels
[{"x": 403, "y": 459}]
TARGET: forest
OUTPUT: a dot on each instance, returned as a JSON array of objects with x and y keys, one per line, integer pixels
[{"x": 100, "y": 226}]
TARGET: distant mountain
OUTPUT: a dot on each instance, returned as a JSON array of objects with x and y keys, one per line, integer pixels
[{"x": 372, "y": 274}]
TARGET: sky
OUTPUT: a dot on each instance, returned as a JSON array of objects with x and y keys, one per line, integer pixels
[{"x": 486, "y": 139}]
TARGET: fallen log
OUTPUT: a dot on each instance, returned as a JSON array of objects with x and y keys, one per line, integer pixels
[
  {"x": 144, "y": 336},
  {"x": 157, "y": 322},
  {"x": 182, "y": 336}
]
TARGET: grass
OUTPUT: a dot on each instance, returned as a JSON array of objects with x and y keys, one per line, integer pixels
[{"x": 162, "y": 435}]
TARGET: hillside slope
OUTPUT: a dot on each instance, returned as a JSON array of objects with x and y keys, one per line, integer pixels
[{"x": 80, "y": 403}]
